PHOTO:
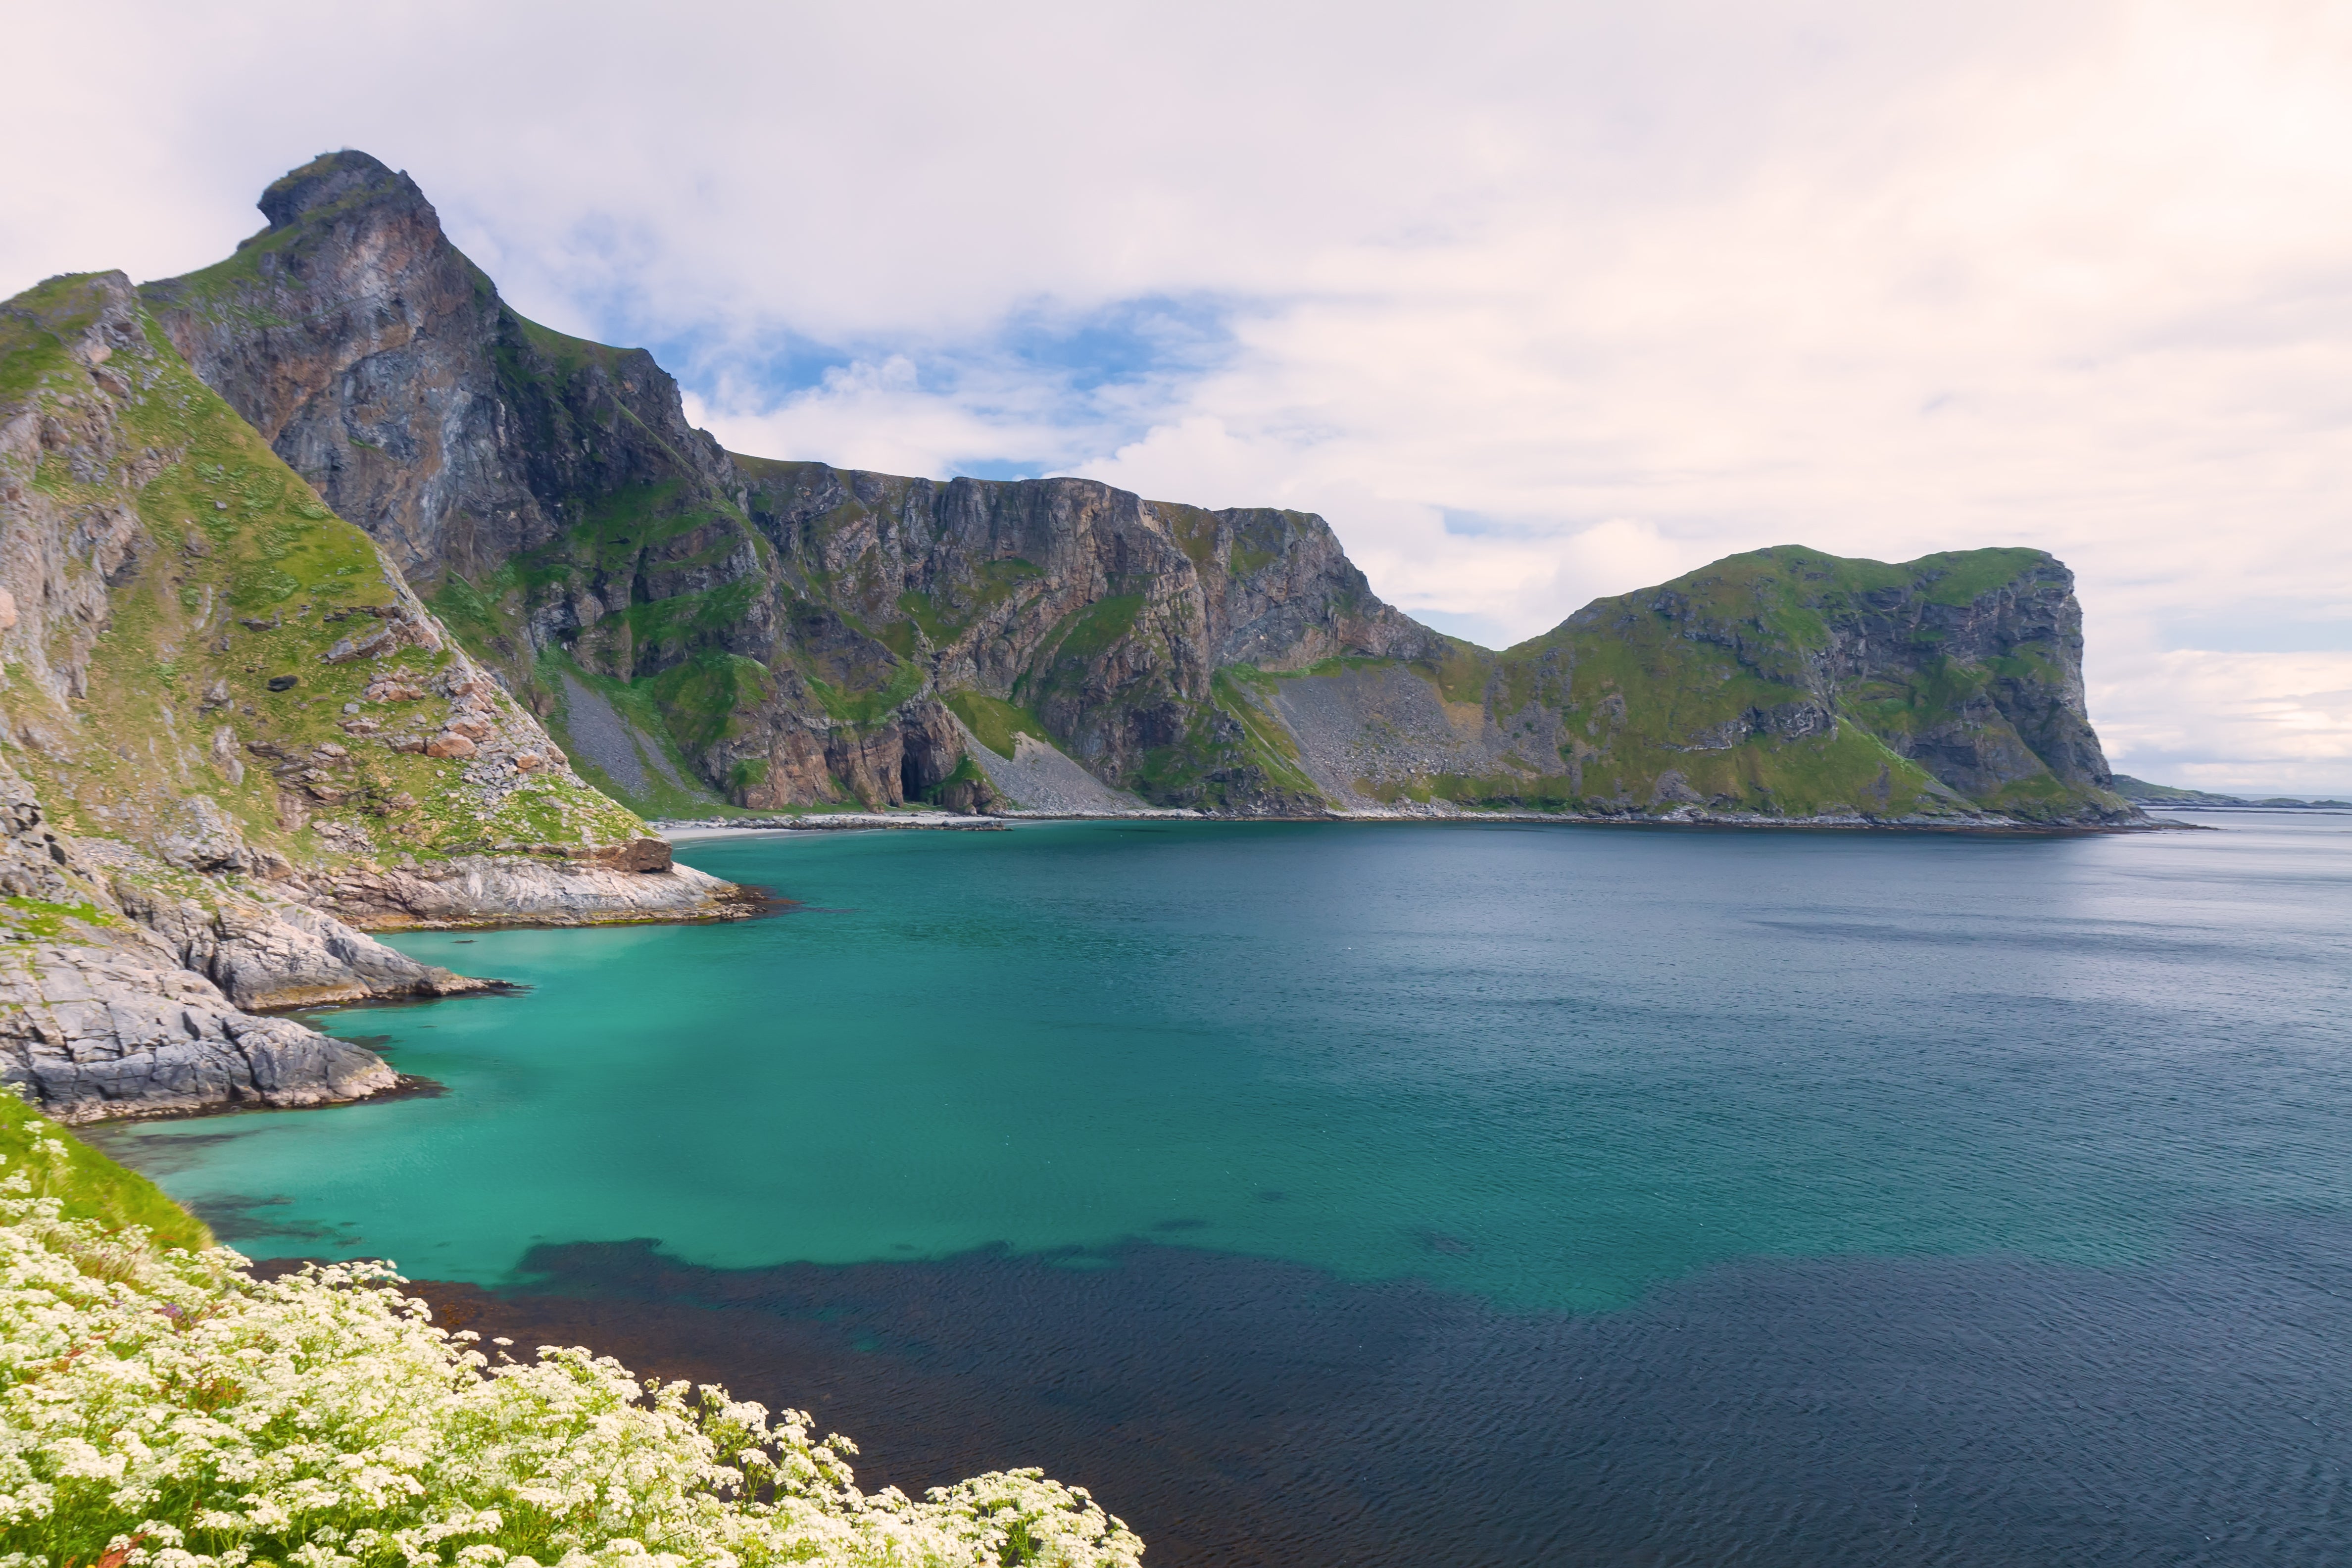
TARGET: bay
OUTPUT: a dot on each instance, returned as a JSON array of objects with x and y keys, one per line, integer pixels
[{"x": 2023, "y": 1164}]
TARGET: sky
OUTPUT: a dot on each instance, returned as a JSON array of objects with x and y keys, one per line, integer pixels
[{"x": 1533, "y": 303}]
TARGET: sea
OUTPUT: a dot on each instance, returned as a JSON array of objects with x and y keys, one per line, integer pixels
[{"x": 1431, "y": 1193}]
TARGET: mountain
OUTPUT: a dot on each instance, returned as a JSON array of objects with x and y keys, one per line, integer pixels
[
  {"x": 230, "y": 738},
  {"x": 234, "y": 739},
  {"x": 700, "y": 626},
  {"x": 2139, "y": 792}
]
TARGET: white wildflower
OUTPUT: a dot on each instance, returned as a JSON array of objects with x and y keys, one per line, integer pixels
[{"x": 164, "y": 1410}]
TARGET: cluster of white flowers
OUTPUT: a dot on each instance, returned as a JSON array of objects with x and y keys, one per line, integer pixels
[{"x": 162, "y": 1408}]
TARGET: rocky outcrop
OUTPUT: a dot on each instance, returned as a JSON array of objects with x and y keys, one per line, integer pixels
[
  {"x": 142, "y": 1006},
  {"x": 281, "y": 702},
  {"x": 380, "y": 364},
  {"x": 495, "y": 890},
  {"x": 91, "y": 1034},
  {"x": 222, "y": 711},
  {"x": 1782, "y": 685},
  {"x": 261, "y": 949}
]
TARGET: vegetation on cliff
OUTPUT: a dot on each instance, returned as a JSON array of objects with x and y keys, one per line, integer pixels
[
  {"x": 227, "y": 727},
  {"x": 160, "y": 1406},
  {"x": 254, "y": 647},
  {"x": 1782, "y": 684},
  {"x": 86, "y": 1184},
  {"x": 792, "y": 635}
]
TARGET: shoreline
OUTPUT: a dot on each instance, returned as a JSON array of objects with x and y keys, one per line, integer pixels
[{"x": 680, "y": 831}]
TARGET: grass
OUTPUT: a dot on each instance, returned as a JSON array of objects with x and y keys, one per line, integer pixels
[
  {"x": 243, "y": 574},
  {"x": 1268, "y": 743},
  {"x": 995, "y": 723},
  {"x": 88, "y": 1184},
  {"x": 703, "y": 699},
  {"x": 39, "y": 918},
  {"x": 868, "y": 707},
  {"x": 1089, "y": 634}
]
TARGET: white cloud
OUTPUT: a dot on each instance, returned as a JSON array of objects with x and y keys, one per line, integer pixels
[
  {"x": 2233, "y": 721},
  {"x": 1615, "y": 289}
]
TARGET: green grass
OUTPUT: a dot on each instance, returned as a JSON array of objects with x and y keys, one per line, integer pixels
[
  {"x": 88, "y": 1184},
  {"x": 1091, "y": 632},
  {"x": 1269, "y": 743},
  {"x": 568, "y": 354},
  {"x": 994, "y": 723},
  {"x": 36, "y": 917},
  {"x": 870, "y": 706},
  {"x": 704, "y": 700},
  {"x": 33, "y": 327},
  {"x": 235, "y": 536},
  {"x": 1964, "y": 576}
]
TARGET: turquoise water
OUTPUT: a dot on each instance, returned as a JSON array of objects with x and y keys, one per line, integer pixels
[
  {"x": 1349, "y": 1195},
  {"x": 1550, "y": 1067}
]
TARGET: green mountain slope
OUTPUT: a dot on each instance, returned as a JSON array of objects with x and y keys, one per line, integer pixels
[{"x": 1784, "y": 683}]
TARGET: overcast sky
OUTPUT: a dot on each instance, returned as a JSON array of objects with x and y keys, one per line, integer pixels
[{"x": 1533, "y": 303}]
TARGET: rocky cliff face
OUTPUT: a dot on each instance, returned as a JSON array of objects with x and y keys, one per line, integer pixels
[
  {"x": 697, "y": 624},
  {"x": 1785, "y": 684},
  {"x": 382, "y": 367},
  {"x": 235, "y": 733},
  {"x": 787, "y": 633},
  {"x": 127, "y": 990}
]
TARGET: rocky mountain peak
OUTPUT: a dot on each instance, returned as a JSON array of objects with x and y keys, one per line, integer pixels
[{"x": 334, "y": 179}]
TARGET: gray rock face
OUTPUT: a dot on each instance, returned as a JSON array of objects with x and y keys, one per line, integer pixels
[
  {"x": 382, "y": 365},
  {"x": 136, "y": 948},
  {"x": 1359, "y": 729},
  {"x": 494, "y": 891},
  {"x": 1039, "y": 780},
  {"x": 92, "y": 1033},
  {"x": 119, "y": 1008},
  {"x": 1107, "y": 615},
  {"x": 262, "y": 950},
  {"x": 806, "y": 634},
  {"x": 2020, "y": 643}
]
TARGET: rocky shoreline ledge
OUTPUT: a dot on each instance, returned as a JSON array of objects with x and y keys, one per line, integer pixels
[{"x": 133, "y": 989}]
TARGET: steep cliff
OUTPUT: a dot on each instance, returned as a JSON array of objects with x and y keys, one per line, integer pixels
[
  {"x": 1782, "y": 684},
  {"x": 226, "y": 728},
  {"x": 778, "y": 634},
  {"x": 698, "y": 624}
]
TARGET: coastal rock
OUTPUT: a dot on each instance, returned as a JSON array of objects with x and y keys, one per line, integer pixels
[
  {"x": 465, "y": 762},
  {"x": 797, "y": 628},
  {"x": 171, "y": 790},
  {"x": 514, "y": 890},
  {"x": 89, "y": 1033},
  {"x": 265, "y": 951},
  {"x": 103, "y": 1015},
  {"x": 800, "y": 634}
]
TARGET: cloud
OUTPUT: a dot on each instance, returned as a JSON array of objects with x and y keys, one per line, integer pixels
[
  {"x": 2233, "y": 721},
  {"x": 1534, "y": 307}
]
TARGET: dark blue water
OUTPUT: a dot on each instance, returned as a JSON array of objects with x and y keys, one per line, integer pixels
[{"x": 1327, "y": 1194}]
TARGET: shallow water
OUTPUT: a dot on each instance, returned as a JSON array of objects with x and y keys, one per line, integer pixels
[{"x": 1669, "y": 1195}]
